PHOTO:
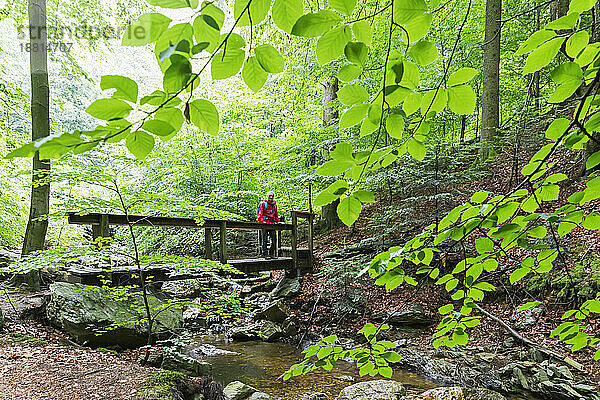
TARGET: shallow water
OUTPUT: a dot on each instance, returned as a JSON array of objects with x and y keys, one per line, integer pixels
[{"x": 260, "y": 364}]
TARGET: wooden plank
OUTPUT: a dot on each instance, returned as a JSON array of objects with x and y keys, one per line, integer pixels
[
  {"x": 223, "y": 243},
  {"x": 295, "y": 239},
  {"x": 208, "y": 243},
  {"x": 142, "y": 220},
  {"x": 310, "y": 242},
  {"x": 104, "y": 232}
]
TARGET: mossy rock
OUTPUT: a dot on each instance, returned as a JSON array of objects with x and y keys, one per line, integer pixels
[
  {"x": 164, "y": 385},
  {"x": 94, "y": 317}
]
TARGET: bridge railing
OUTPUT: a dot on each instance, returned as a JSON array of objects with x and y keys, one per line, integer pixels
[{"x": 100, "y": 223}]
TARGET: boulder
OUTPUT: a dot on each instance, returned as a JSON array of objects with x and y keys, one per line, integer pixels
[
  {"x": 92, "y": 316},
  {"x": 264, "y": 330},
  {"x": 187, "y": 288},
  {"x": 206, "y": 350},
  {"x": 527, "y": 319},
  {"x": 413, "y": 316},
  {"x": 457, "y": 393},
  {"x": 315, "y": 396},
  {"x": 373, "y": 390},
  {"x": 174, "y": 360},
  {"x": 275, "y": 312},
  {"x": 286, "y": 288},
  {"x": 238, "y": 391}
]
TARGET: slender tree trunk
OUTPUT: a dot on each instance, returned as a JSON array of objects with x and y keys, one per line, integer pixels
[
  {"x": 37, "y": 225},
  {"x": 329, "y": 217},
  {"x": 593, "y": 145},
  {"x": 490, "y": 101}
]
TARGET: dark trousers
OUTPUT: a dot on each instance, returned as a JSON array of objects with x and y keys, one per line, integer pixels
[{"x": 266, "y": 234}]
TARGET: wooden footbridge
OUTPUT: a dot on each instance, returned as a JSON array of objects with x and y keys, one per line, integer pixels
[{"x": 292, "y": 259}]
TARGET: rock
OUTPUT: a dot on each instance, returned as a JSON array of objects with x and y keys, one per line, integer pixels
[
  {"x": 275, "y": 312},
  {"x": 188, "y": 288},
  {"x": 264, "y": 287},
  {"x": 270, "y": 331},
  {"x": 174, "y": 360},
  {"x": 94, "y": 318},
  {"x": 564, "y": 371},
  {"x": 260, "y": 396},
  {"x": 264, "y": 330},
  {"x": 509, "y": 342},
  {"x": 526, "y": 320},
  {"x": 373, "y": 390},
  {"x": 413, "y": 316},
  {"x": 345, "y": 378},
  {"x": 520, "y": 378},
  {"x": 315, "y": 396},
  {"x": 206, "y": 350},
  {"x": 238, "y": 391},
  {"x": 290, "y": 326},
  {"x": 458, "y": 393},
  {"x": 287, "y": 287}
]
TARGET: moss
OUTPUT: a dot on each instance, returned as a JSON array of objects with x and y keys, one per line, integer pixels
[
  {"x": 163, "y": 384},
  {"x": 105, "y": 350},
  {"x": 21, "y": 338}
]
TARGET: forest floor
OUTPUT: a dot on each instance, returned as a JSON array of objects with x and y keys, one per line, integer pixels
[
  {"x": 38, "y": 362},
  {"x": 580, "y": 244}
]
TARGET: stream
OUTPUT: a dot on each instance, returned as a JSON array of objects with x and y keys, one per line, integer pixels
[{"x": 259, "y": 364}]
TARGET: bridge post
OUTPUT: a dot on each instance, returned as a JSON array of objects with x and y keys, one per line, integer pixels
[
  {"x": 208, "y": 252},
  {"x": 102, "y": 229},
  {"x": 310, "y": 241},
  {"x": 295, "y": 240},
  {"x": 223, "y": 241}
]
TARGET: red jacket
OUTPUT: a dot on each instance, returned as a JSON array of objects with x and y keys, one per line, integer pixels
[{"x": 267, "y": 212}]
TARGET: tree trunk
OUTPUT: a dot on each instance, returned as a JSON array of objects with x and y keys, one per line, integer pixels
[
  {"x": 330, "y": 113},
  {"x": 329, "y": 216},
  {"x": 593, "y": 145},
  {"x": 490, "y": 101},
  {"x": 37, "y": 225}
]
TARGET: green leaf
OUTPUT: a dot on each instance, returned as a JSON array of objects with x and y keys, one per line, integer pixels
[
  {"x": 406, "y": 10},
  {"x": 356, "y": 53},
  {"x": 593, "y": 160},
  {"x": 364, "y": 196},
  {"x": 412, "y": 103},
  {"x": 535, "y": 40},
  {"x": 253, "y": 74},
  {"x": 343, "y": 6},
  {"x": 177, "y": 75},
  {"x": 416, "y": 149},
  {"x": 147, "y": 29},
  {"x": 203, "y": 32},
  {"x": 126, "y": 88},
  {"x": 423, "y": 52},
  {"x": 210, "y": 9},
  {"x": 368, "y": 127},
  {"x": 352, "y": 94},
  {"x": 567, "y": 72},
  {"x": 362, "y": 32},
  {"x": 529, "y": 305},
  {"x": 334, "y": 167},
  {"x": 331, "y": 45},
  {"x": 462, "y": 99},
  {"x": 172, "y": 36},
  {"x": 543, "y": 55},
  {"x": 234, "y": 41},
  {"x": 108, "y": 109},
  {"x": 580, "y": 6},
  {"x": 158, "y": 127},
  {"x": 518, "y": 274},
  {"x": 564, "y": 91},
  {"x": 354, "y": 115},
  {"x": 140, "y": 144},
  {"x": 462, "y": 76},
  {"x": 254, "y": 14},
  {"x": 173, "y": 3},
  {"x": 349, "y": 209},
  {"x": 557, "y": 128},
  {"x": 591, "y": 221},
  {"x": 331, "y": 193},
  {"x": 448, "y": 308},
  {"x": 269, "y": 58},
  {"x": 342, "y": 151},
  {"x": 227, "y": 63},
  {"x": 434, "y": 100},
  {"x": 315, "y": 24},
  {"x": 205, "y": 116},
  {"x": 576, "y": 43},
  {"x": 566, "y": 22},
  {"x": 395, "y": 126},
  {"x": 417, "y": 27},
  {"x": 411, "y": 75},
  {"x": 484, "y": 245},
  {"x": 285, "y": 13},
  {"x": 348, "y": 72},
  {"x": 479, "y": 197}
]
